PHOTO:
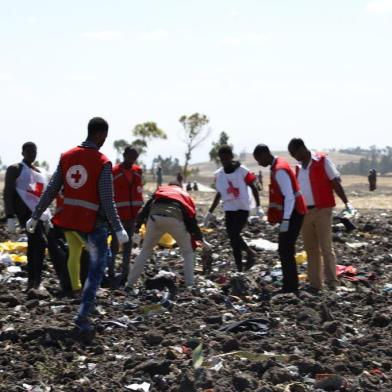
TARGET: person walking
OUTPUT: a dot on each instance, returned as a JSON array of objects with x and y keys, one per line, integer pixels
[
  {"x": 169, "y": 210},
  {"x": 232, "y": 181},
  {"x": 286, "y": 207},
  {"x": 128, "y": 195},
  {"x": 318, "y": 178},
  {"x": 86, "y": 177},
  {"x": 24, "y": 184}
]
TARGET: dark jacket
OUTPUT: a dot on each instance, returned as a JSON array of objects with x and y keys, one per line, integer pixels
[{"x": 13, "y": 204}]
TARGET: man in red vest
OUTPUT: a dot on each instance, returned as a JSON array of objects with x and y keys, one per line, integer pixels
[
  {"x": 286, "y": 207},
  {"x": 128, "y": 195},
  {"x": 86, "y": 177},
  {"x": 318, "y": 179},
  {"x": 169, "y": 210}
]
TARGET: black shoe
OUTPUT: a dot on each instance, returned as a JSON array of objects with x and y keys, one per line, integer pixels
[
  {"x": 312, "y": 290},
  {"x": 250, "y": 261}
]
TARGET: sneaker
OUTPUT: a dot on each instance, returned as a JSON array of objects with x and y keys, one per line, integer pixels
[{"x": 83, "y": 324}]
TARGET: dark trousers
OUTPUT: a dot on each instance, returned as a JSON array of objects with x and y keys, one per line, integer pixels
[
  {"x": 129, "y": 227},
  {"x": 235, "y": 222},
  {"x": 36, "y": 245},
  {"x": 286, "y": 251}
]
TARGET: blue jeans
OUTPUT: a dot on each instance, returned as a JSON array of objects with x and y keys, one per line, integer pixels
[
  {"x": 99, "y": 254},
  {"x": 129, "y": 227}
]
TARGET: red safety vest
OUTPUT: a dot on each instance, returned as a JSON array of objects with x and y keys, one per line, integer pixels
[
  {"x": 81, "y": 168},
  {"x": 276, "y": 198},
  {"x": 320, "y": 183},
  {"x": 128, "y": 190},
  {"x": 176, "y": 193},
  {"x": 59, "y": 208}
]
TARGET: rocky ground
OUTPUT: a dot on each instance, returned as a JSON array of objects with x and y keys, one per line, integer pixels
[{"x": 189, "y": 340}]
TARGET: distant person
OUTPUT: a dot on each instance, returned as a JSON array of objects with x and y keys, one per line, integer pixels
[
  {"x": 232, "y": 181},
  {"x": 159, "y": 176},
  {"x": 24, "y": 185},
  {"x": 260, "y": 180},
  {"x": 286, "y": 207},
  {"x": 372, "y": 178},
  {"x": 195, "y": 186},
  {"x": 169, "y": 210},
  {"x": 128, "y": 195},
  {"x": 318, "y": 178},
  {"x": 86, "y": 177},
  {"x": 179, "y": 178},
  {"x": 188, "y": 186}
]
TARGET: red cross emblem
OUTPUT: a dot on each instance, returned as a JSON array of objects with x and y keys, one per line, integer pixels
[{"x": 76, "y": 176}]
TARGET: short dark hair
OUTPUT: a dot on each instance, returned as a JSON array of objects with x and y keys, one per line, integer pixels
[
  {"x": 27, "y": 145},
  {"x": 261, "y": 149},
  {"x": 296, "y": 143},
  {"x": 131, "y": 149},
  {"x": 97, "y": 125},
  {"x": 225, "y": 149}
]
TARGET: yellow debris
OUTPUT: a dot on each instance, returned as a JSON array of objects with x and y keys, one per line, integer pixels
[
  {"x": 166, "y": 241},
  {"x": 10, "y": 246},
  {"x": 301, "y": 257},
  {"x": 18, "y": 258}
]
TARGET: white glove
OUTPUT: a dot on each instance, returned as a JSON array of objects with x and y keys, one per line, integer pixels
[
  {"x": 122, "y": 236},
  {"x": 11, "y": 225},
  {"x": 206, "y": 245},
  {"x": 349, "y": 212},
  {"x": 208, "y": 218},
  {"x": 48, "y": 225},
  {"x": 31, "y": 225},
  {"x": 284, "y": 226},
  {"x": 259, "y": 211}
]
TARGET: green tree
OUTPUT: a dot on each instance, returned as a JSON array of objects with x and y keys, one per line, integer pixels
[
  {"x": 169, "y": 165},
  {"x": 195, "y": 133},
  {"x": 223, "y": 139},
  {"x": 145, "y": 132},
  {"x": 119, "y": 146},
  {"x": 42, "y": 164}
]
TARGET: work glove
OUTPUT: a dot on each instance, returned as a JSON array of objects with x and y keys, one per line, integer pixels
[
  {"x": 348, "y": 213},
  {"x": 208, "y": 218},
  {"x": 48, "y": 225},
  {"x": 11, "y": 225},
  {"x": 259, "y": 211},
  {"x": 284, "y": 226},
  {"x": 31, "y": 225},
  {"x": 122, "y": 236},
  {"x": 206, "y": 245}
]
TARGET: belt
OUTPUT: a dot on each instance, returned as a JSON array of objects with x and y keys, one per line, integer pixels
[
  {"x": 311, "y": 207},
  {"x": 152, "y": 216}
]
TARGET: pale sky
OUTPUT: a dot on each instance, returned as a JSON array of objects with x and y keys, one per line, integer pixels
[{"x": 261, "y": 70}]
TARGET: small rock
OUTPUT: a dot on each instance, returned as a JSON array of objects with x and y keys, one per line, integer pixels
[
  {"x": 332, "y": 382},
  {"x": 33, "y": 303},
  {"x": 230, "y": 345},
  {"x": 213, "y": 319},
  {"x": 241, "y": 382},
  {"x": 153, "y": 340},
  {"x": 10, "y": 300},
  {"x": 381, "y": 320},
  {"x": 154, "y": 367},
  {"x": 186, "y": 384}
]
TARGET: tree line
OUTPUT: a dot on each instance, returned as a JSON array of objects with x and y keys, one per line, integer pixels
[{"x": 371, "y": 158}]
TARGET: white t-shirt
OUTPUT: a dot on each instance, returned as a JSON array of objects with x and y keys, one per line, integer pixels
[
  {"x": 233, "y": 189},
  {"x": 304, "y": 181},
  {"x": 284, "y": 182}
]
